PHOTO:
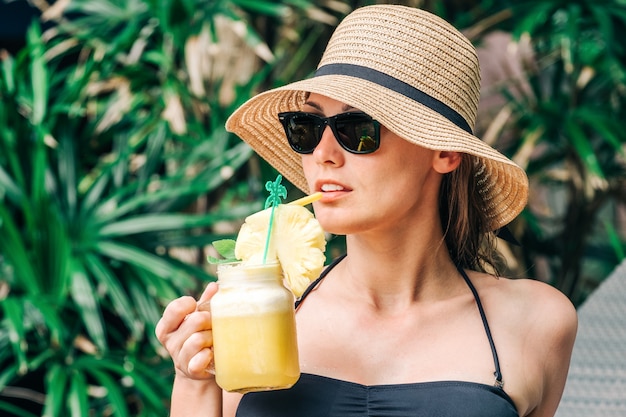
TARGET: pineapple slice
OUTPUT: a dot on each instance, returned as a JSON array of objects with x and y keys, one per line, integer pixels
[{"x": 297, "y": 242}]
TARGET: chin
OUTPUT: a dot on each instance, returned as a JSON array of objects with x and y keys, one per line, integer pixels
[
  {"x": 339, "y": 222},
  {"x": 337, "y": 227}
]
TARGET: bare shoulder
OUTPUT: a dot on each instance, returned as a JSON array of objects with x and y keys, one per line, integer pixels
[
  {"x": 546, "y": 308},
  {"x": 534, "y": 305},
  {"x": 537, "y": 324}
]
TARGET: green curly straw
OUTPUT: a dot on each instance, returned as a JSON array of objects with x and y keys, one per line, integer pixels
[{"x": 277, "y": 190}]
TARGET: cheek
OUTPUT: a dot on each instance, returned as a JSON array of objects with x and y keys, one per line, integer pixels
[{"x": 307, "y": 167}]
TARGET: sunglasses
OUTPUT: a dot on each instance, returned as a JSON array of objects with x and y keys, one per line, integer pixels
[{"x": 356, "y": 132}]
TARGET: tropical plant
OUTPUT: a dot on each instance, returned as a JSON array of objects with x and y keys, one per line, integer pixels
[
  {"x": 115, "y": 172},
  {"x": 565, "y": 115}
]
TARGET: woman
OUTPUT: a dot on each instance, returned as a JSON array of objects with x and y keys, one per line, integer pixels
[{"x": 408, "y": 323}]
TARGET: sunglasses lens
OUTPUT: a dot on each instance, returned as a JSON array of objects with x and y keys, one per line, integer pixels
[
  {"x": 303, "y": 131},
  {"x": 358, "y": 133}
]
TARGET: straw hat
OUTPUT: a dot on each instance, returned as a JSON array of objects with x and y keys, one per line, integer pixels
[{"x": 415, "y": 74}]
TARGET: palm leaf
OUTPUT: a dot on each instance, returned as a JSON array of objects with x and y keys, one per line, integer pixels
[
  {"x": 154, "y": 223},
  {"x": 14, "y": 410},
  {"x": 111, "y": 386},
  {"x": 83, "y": 294},
  {"x": 140, "y": 259},
  {"x": 77, "y": 400},
  {"x": 113, "y": 288},
  {"x": 56, "y": 383},
  {"x": 14, "y": 314},
  {"x": 584, "y": 148},
  {"x": 13, "y": 248}
]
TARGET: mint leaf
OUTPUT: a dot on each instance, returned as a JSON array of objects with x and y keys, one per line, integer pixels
[
  {"x": 226, "y": 248},
  {"x": 216, "y": 261}
]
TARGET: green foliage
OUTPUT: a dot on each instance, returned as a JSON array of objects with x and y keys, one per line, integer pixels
[
  {"x": 111, "y": 137},
  {"x": 567, "y": 116},
  {"x": 114, "y": 161},
  {"x": 226, "y": 249}
]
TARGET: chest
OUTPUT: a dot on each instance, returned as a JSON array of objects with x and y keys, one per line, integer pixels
[{"x": 433, "y": 344}]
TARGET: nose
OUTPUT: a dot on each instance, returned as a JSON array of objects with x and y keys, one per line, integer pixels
[{"x": 328, "y": 151}]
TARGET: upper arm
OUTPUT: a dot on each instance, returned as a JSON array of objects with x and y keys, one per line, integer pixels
[{"x": 557, "y": 323}]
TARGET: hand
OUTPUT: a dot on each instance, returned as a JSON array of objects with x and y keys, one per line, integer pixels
[{"x": 185, "y": 332}]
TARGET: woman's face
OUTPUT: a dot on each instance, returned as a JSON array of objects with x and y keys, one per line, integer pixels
[{"x": 386, "y": 189}]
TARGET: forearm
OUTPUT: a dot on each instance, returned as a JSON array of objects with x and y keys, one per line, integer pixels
[{"x": 193, "y": 398}]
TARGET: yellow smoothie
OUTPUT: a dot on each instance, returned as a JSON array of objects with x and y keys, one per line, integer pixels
[
  {"x": 256, "y": 353},
  {"x": 254, "y": 330}
]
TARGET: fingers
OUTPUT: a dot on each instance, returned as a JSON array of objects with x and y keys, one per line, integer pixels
[
  {"x": 208, "y": 293},
  {"x": 196, "y": 354},
  {"x": 185, "y": 332},
  {"x": 192, "y": 337},
  {"x": 174, "y": 314},
  {"x": 201, "y": 364},
  {"x": 178, "y": 311}
]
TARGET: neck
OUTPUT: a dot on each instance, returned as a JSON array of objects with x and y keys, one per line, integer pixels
[{"x": 396, "y": 272}]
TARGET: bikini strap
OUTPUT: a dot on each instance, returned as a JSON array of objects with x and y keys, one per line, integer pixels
[
  {"x": 499, "y": 382},
  {"x": 498, "y": 374},
  {"x": 322, "y": 275}
]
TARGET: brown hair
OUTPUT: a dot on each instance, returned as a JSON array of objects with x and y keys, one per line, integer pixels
[{"x": 464, "y": 220}]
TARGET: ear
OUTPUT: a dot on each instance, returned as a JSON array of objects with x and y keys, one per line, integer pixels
[{"x": 446, "y": 161}]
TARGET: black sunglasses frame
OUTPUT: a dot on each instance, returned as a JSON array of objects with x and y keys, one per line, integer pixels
[{"x": 321, "y": 122}]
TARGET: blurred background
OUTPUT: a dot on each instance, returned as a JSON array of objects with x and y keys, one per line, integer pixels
[{"x": 116, "y": 173}]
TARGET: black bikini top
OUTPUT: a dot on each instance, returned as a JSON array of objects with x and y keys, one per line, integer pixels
[{"x": 319, "y": 396}]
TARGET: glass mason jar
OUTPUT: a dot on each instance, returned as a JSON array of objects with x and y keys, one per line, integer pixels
[{"x": 254, "y": 330}]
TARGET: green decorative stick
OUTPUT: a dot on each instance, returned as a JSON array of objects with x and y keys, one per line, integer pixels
[{"x": 277, "y": 190}]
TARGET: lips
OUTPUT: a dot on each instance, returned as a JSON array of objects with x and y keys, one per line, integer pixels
[{"x": 331, "y": 190}]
